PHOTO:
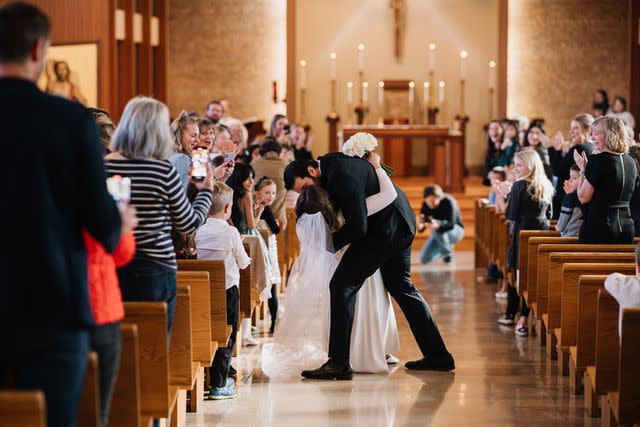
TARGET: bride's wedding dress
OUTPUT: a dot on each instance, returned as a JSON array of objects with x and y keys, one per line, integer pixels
[{"x": 301, "y": 337}]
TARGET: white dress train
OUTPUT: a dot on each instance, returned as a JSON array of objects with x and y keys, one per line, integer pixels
[{"x": 301, "y": 337}]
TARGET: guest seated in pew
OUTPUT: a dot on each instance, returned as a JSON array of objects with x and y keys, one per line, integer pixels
[
  {"x": 606, "y": 184},
  {"x": 265, "y": 193},
  {"x": 440, "y": 213},
  {"x": 217, "y": 240},
  {"x": 625, "y": 289},
  {"x": 141, "y": 146},
  {"x": 570, "y": 219},
  {"x": 104, "y": 289},
  {"x": 528, "y": 208},
  {"x": 54, "y": 190}
]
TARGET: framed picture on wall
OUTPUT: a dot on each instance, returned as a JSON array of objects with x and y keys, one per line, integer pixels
[{"x": 71, "y": 71}]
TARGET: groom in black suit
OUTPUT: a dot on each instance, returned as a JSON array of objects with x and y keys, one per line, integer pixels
[{"x": 381, "y": 241}]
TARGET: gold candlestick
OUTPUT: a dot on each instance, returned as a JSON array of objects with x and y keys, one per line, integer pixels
[
  {"x": 491, "y": 92},
  {"x": 431, "y": 89},
  {"x": 333, "y": 95},
  {"x": 303, "y": 112},
  {"x": 462, "y": 98}
]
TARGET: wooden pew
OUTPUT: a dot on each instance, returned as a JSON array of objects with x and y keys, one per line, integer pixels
[
  {"x": 565, "y": 335},
  {"x": 220, "y": 331},
  {"x": 529, "y": 291},
  {"x": 523, "y": 254},
  {"x": 623, "y": 403},
  {"x": 21, "y": 408},
  {"x": 602, "y": 376},
  {"x": 151, "y": 321},
  {"x": 551, "y": 258},
  {"x": 89, "y": 405},
  {"x": 126, "y": 404},
  {"x": 480, "y": 259}
]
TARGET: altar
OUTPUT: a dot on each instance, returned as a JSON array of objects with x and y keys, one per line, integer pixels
[{"x": 445, "y": 150}]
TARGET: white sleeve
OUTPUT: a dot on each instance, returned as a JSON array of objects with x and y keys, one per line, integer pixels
[
  {"x": 239, "y": 253},
  {"x": 385, "y": 197}
]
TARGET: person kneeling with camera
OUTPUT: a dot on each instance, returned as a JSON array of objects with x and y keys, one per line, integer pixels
[{"x": 441, "y": 214}]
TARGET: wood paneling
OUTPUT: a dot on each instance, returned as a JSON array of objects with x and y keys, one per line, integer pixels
[
  {"x": 503, "y": 31},
  {"x": 634, "y": 59},
  {"x": 291, "y": 60},
  {"x": 160, "y": 61}
]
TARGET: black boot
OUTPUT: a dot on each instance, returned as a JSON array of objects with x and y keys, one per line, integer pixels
[
  {"x": 435, "y": 362},
  {"x": 330, "y": 371}
]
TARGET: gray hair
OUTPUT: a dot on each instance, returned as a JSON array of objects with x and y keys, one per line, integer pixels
[{"x": 143, "y": 131}]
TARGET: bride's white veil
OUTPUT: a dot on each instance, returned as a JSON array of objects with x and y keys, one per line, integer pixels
[{"x": 300, "y": 338}]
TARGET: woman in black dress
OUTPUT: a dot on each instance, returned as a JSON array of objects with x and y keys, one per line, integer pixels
[
  {"x": 561, "y": 158},
  {"x": 606, "y": 184},
  {"x": 528, "y": 208}
]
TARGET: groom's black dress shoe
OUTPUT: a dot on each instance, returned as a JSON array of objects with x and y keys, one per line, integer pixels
[
  {"x": 330, "y": 371},
  {"x": 434, "y": 362}
]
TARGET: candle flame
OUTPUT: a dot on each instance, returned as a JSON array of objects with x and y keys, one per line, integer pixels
[
  {"x": 332, "y": 55},
  {"x": 349, "y": 84},
  {"x": 303, "y": 63},
  {"x": 411, "y": 84},
  {"x": 432, "y": 46},
  {"x": 361, "y": 47},
  {"x": 463, "y": 54},
  {"x": 492, "y": 64},
  {"x": 380, "y": 84},
  {"x": 426, "y": 84},
  {"x": 441, "y": 84},
  {"x": 365, "y": 84}
]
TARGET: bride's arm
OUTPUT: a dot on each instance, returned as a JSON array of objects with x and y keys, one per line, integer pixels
[{"x": 387, "y": 194}]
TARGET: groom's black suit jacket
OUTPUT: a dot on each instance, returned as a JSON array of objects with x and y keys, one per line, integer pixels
[{"x": 349, "y": 181}]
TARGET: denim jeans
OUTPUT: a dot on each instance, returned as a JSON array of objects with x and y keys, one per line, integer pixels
[
  {"x": 440, "y": 244},
  {"x": 49, "y": 359},
  {"x": 106, "y": 340},
  {"x": 222, "y": 358},
  {"x": 146, "y": 281}
]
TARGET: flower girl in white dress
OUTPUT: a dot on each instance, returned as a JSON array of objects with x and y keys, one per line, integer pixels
[{"x": 301, "y": 336}]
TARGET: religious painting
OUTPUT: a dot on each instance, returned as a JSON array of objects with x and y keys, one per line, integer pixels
[{"x": 71, "y": 71}]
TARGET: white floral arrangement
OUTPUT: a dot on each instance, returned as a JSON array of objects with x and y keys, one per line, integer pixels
[{"x": 361, "y": 145}]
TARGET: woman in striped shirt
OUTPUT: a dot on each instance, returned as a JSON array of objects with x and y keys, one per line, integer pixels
[{"x": 141, "y": 144}]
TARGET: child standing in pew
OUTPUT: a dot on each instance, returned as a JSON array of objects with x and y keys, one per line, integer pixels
[
  {"x": 528, "y": 208},
  {"x": 217, "y": 240},
  {"x": 570, "y": 219},
  {"x": 499, "y": 189}
]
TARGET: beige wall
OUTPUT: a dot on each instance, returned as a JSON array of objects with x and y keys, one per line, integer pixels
[
  {"x": 339, "y": 25},
  {"x": 227, "y": 48},
  {"x": 560, "y": 51}
]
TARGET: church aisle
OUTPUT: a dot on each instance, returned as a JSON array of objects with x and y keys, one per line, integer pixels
[{"x": 500, "y": 380}]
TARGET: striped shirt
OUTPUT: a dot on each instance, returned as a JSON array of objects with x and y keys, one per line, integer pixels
[{"x": 160, "y": 202}]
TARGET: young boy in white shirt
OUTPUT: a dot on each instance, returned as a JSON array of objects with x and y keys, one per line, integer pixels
[{"x": 217, "y": 240}]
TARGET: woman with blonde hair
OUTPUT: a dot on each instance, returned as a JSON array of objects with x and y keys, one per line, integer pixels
[
  {"x": 528, "y": 208},
  {"x": 561, "y": 153},
  {"x": 186, "y": 135},
  {"x": 606, "y": 184}
]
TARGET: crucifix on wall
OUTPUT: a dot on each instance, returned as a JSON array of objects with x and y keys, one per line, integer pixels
[{"x": 398, "y": 15}]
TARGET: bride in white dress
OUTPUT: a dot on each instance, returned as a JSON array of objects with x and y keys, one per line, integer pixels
[{"x": 301, "y": 337}]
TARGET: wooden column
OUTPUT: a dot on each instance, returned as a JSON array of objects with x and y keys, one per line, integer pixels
[
  {"x": 503, "y": 34},
  {"x": 160, "y": 62},
  {"x": 144, "y": 73},
  {"x": 455, "y": 163},
  {"x": 438, "y": 163},
  {"x": 291, "y": 60},
  {"x": 126, "y": 58}
]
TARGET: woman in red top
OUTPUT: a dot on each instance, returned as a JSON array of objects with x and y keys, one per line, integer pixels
[{"x": 104, "y": 289}]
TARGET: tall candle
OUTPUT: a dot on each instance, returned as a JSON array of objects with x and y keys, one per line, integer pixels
[
  {"x": 360, "y": 57},
  {"x": 411, "y": 92},
  {"x": 332, "y": 66},
  {"x": 380, "y": 94},
  {"x": 432, "y": 56},
  {"x": 441, "y": 92},
  {"x": 492, "y": 75},
  {"x": 350, "y": 92},
  {"x": 303, "y": 74},
  {"x": 365, "y": 92},
  {"x": 463, "y": 60},
  {"x": 425, "y": 93}
]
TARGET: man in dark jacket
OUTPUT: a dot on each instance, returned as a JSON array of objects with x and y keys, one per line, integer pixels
[
  {"x": 54, "y": 187},
  {"x": 441, "y": 214}
]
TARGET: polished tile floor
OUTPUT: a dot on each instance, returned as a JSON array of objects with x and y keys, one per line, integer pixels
[{"x": 500, "y": 380}]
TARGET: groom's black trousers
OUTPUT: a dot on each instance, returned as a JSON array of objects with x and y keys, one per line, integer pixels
[{"x": 360, "y": 261}]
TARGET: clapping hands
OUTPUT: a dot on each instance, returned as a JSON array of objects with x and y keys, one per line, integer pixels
[{"x": 580, "y": 159}]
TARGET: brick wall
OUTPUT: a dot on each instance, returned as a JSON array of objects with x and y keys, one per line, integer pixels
[
  {"x": 560, "y": 52},
  {"x": 226, "y": 48}
]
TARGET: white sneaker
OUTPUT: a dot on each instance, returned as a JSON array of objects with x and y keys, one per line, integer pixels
[
  {"x": 392, "y": 360},
  {"x": 248, "y": 340},
  {"x": 507, "y": 321},
  {"x": 501, "y": 295}
]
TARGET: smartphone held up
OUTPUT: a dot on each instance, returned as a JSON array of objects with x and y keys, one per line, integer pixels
[{"x": 199, "y": 160}]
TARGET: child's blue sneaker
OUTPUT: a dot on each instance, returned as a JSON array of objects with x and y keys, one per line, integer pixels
[{"x": 221, "y": 393}]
